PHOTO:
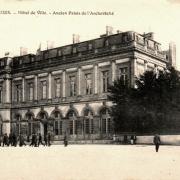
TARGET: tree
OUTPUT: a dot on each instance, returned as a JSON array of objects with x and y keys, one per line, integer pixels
[{"x": 146, "y": 107}]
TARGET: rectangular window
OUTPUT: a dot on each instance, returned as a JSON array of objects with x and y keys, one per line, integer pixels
[
  {"x": 88, "y": 83},
  {"x": 0, "y": 94},
  {"x": 58, "y": 88},
  {"x": 72, "y": 80},
  {"x": 60, "y": 127},
  {"x": 31, "y": 91},
  {"x": 87, "y": 126},
  {"x": 44, "y": 89},
  {"x": 105, "y": 81},
  {"x": 123, "y": 74},
  {"x": 104, "y": 126},
  {"x": 109, "y": 125},
  {"x": 92, "y": 126},
  {"x": 56, "y": 128},
  {"x": 18, "y": 92}
]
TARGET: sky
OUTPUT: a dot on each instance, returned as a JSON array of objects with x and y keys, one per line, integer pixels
[{"x": 30, "y": 30}]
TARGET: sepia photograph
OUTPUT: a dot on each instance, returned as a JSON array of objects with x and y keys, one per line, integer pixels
[{"x": 89, "y": 90}]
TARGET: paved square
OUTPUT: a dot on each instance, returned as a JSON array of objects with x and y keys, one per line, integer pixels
[{"x": 90, "y": 162}]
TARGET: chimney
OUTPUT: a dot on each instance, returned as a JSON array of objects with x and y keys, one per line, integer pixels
[
  {"x": 172, "y": 54},
  {"x": 149, "y": 35},
  {"x": 23, "y": 51},
  {"x": 50, "y": 45},
  {"x": 76, "y": 38},
  {"x": 109, "y": 30}
]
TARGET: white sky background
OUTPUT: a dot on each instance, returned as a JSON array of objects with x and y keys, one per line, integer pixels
[{"x": 160, "y": 16}]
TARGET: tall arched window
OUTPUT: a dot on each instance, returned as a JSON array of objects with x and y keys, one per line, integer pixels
[
  {"x": 106, "y": 124},
  {"x": 88, "y": 122},
  {"x": 72, "y": 122},
  {"x": 56, "y": 115}
]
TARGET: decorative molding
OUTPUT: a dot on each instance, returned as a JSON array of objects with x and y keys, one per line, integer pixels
[
  {"x": 42, "y": 74},
  {"x": 17, "y": 79},
  {"x": 104, "y": 64},
  {"x": 87, "y": 67},
  {"x": 57, "y": 72},
  {"x": 122, "y": 60},
  {"x": 29, "y": 77},
  {"x": 71, "y": 69}
]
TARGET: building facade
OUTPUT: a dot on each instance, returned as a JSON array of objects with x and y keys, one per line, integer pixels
[{"x": 64, "y": 90}]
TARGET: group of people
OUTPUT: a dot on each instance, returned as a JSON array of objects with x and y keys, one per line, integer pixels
[
  {"x": 37, "y": 140},
  {"x": 13, "y": 140}
]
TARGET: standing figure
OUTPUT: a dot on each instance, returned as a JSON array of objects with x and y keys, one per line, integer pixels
[
  {"x": 5, "y": 140},
  {"x": 14, "y": 140},
  {"x": 40, "y": 140},
  {"x": 32, "y": 140},
  {"x": 65, "y": 141},
  {"x": 49, "y": 139},
  {"x": 157, "y": 142},
  {"x": 135, "y": 138},
  {"x": 0, "y": 140},
  {"x": 132, "y": 139},
  {"x": 45, "y": 139},
  {"x": 21, "y": 141},
  {"x": 10, "y": 139}
]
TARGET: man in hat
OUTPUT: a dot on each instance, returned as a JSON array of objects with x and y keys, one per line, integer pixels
[{"x": 157, "y": 142}]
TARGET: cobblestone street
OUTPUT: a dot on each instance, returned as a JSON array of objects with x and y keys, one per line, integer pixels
[{"x": 121, "y": 162}]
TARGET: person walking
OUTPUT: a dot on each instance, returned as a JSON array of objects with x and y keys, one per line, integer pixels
[
  {"x": 157, "y": 142},
  {"x": 40, "y": 140},
  {"x": 132, "y": 140},
  {"x": 32, "y": 140},
  {"x": 14, "y": 140},
  {"x": 65, "y": 141},
  {"x": 49, "y": 139},
  {"x": 10, "y": 139},
  {"x": 5, "y": 140},
  {"x": 45, "y": 139},
  {"x": 1, "y": 139},
  {"x": 21, "y": 141}
]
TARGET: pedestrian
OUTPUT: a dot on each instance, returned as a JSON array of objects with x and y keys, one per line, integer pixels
[
  {"x": 45, "y": 139},
  {"x": 49, "y": 139},
  {"x": 40, "y": 140},
  {"x": 157, "y": 142},
  {"x": 21, "y": 141},
  {"x": 1, "y": 139},
  {"x": 10, "y": 139},
  {"x": 135, "y": 138},
  {"x": 5, "y": 140},
  {"x": 32, "y": 140},
  {"x": 14, "y": 140},
  {"x": 125, "y": 139},
  {"x": 132, "y": 140},
  {"x": 65, "y": 141}
]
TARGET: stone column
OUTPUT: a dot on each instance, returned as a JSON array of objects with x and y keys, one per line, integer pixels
[
  {"x": 79, "y": 81},
  {"x": 73, "y": 127},
  {"x": 36, "y": 87},
  {"x": 8, "y": 90},
  {"x": 133, "y": 71},
  {"x": 49, "y": 87},
  {"x": 64, "y": 83},
  {"x": 106, "y": 125},
  {"x": 95, "y": 79},
  {"x": 113, "y": 69},
  {"x": 23, "y": 89}
]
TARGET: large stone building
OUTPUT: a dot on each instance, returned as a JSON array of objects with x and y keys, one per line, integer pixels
[{"x": 64, "y": 90}]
